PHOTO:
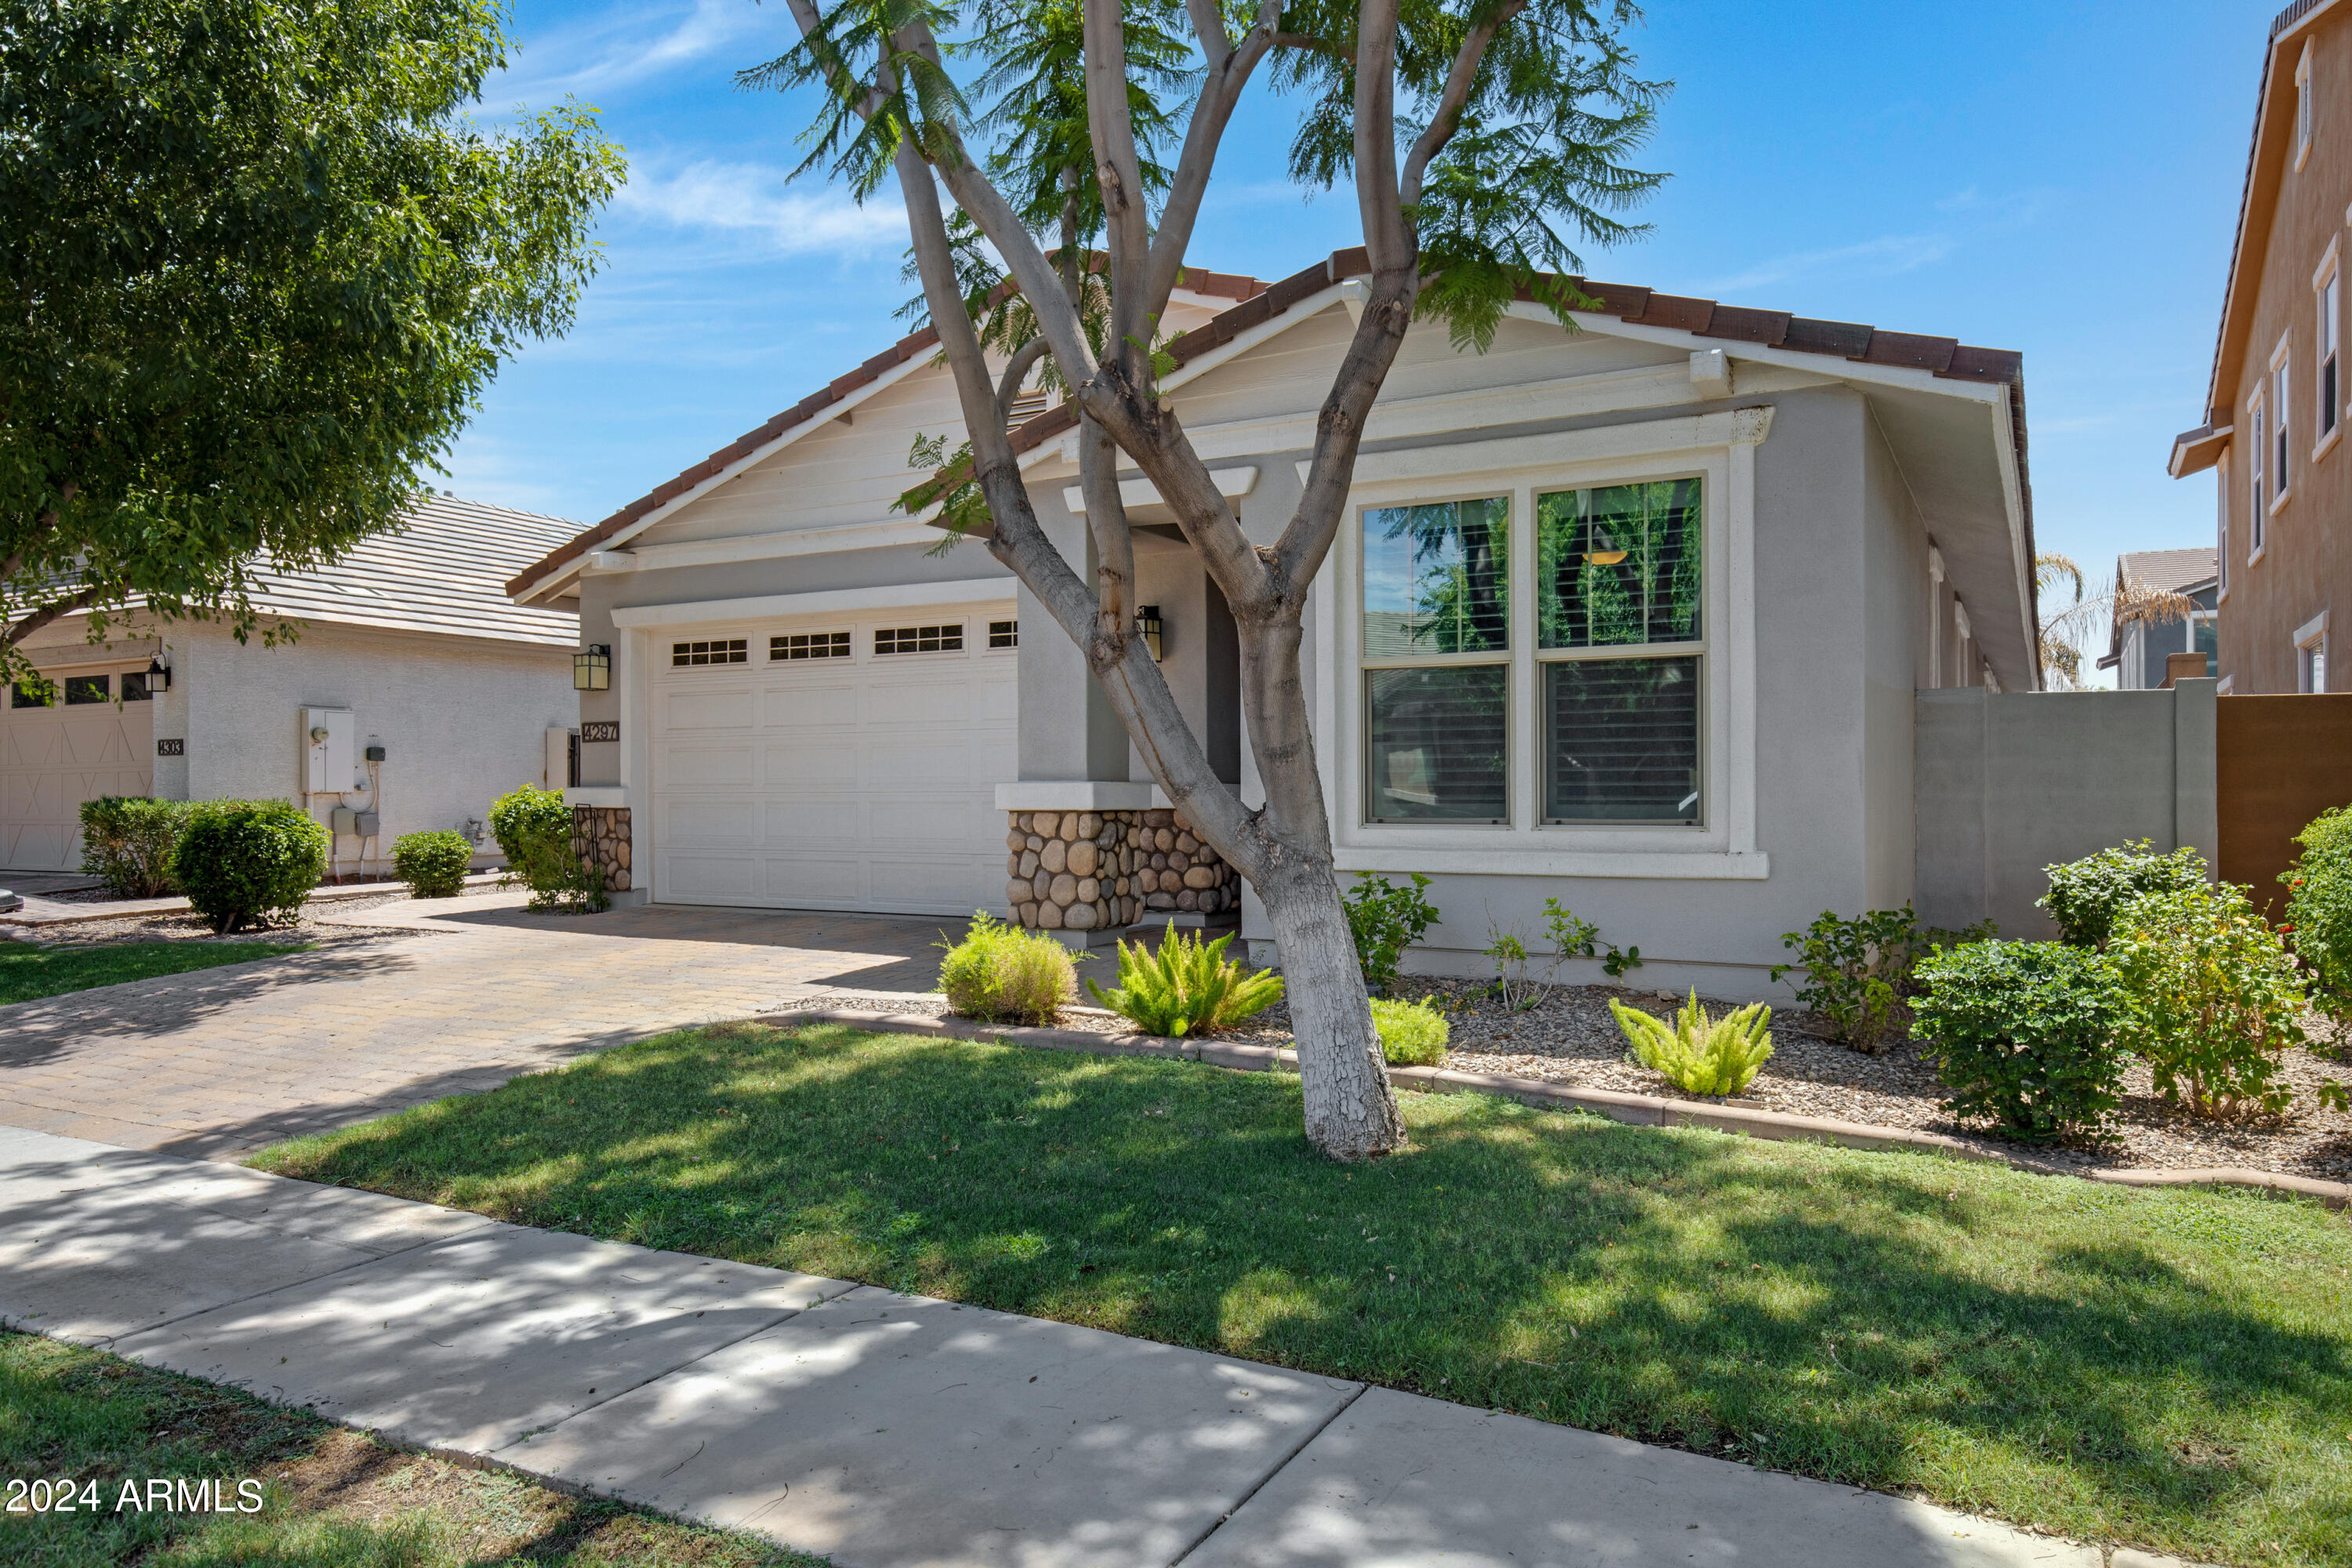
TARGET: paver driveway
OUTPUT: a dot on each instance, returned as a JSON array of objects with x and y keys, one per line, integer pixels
[{"x": 224, "y": 1061}]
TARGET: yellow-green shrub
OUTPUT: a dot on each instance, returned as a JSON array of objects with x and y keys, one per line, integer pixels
[
  {"x": 1698, "y": 1054},
  {"x": 1412, "y": 1034},
  {"x": 1000, "y": 973}
]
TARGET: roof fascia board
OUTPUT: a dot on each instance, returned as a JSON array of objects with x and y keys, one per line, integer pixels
[
  {"x": 548, "y": 638},
  {"x": 1241, "y": 343},
  {"x": 2012, "y": 500},
  {"x": 1785, "y": 359},
  {"x": 823, "y": 601},
  {"x": 846, "y": 404},
  {"x": 740, "y": 547}
]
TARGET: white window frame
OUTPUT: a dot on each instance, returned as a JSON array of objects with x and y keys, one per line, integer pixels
[
  {"x": 1718, "y": 449},
  {"x": 2328, "y": 322},
  {"x": 2302, "y": 96},
  {"x": 2282, "y": 404},
  {"x": 2258, "y": 427},
  {"x": 2310, "y": 639},
  {"x": 2224, "y": 490}
]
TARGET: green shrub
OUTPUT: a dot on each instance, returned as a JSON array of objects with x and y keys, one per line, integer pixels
[
  {"x": 1001, "y": 974},
  {"x": 1188, "y": 987},
  {"x": 433, "y": 864},
  {"x": 127, "y": 842},
  {"x": 2212, "y": 997},
  {"x": 1697, "y": 1054},
  {"x": 240, "y": 861},
  {"x": 2024, "y": 1033},
  {"x": 1858, "y": 971},
  {"x": 2319, "y": 910},
  {"x": 1412, "y": 1034},
  {"x": 534, "y": 829},
  {"x": 2086, "y": 895},
  {"x": 1385, "y": 919}
]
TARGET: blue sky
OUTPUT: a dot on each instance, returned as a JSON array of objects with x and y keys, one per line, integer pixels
[{"x": 2058, "y": 178}]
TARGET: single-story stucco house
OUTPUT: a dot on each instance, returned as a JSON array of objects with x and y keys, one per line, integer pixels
[
  {"x": 409, "y": 647},
  {"x": 1631, "y": 616}
]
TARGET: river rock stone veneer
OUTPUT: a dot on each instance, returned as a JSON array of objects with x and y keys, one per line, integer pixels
[
  {"x": 600, "y": 837},
  {"x": 1098, "y": 871}
]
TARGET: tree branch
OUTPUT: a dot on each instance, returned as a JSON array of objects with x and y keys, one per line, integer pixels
[
  {"x": 1204, "y": 132},
  {"x": 1016, "y": 371},
  {"x": 35, "y": 621},
  {"x": 1120, "y": 172},
  {"x": 1459, "y": 79},
  {"x": 1208, "y": 28}
]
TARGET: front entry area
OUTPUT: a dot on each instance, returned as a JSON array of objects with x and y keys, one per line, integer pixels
[
  {"x": 841, "y": 762},
  {"x": 89, "y": 743}
]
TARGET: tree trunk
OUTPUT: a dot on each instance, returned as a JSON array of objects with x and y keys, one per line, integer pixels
[{"x": 1351, "y": 1113}]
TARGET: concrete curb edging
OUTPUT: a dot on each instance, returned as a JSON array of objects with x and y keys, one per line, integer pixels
[
  {"x": 1638, "y": 1109},
  {"x": 127, "y": 909}
]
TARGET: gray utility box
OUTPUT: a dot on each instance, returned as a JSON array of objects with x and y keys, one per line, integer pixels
[{"x": 343, "y": 819}]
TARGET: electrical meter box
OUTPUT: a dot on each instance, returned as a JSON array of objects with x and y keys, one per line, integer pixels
[
  {"x": 326, "y": 740},
  {"x": 343, "y": 819}
]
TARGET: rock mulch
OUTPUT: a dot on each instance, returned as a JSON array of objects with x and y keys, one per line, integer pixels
[{"x": 1570, "y": 1037}]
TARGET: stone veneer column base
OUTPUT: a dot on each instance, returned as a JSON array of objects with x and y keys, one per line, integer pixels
[
  {"x": 600, "y": 837},
  {"x": 1102, "y": 871}
]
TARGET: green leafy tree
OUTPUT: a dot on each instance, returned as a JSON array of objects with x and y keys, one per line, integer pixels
[
  {"x": 1481, "y": 138},
  {"x": 256, "y": 267}
]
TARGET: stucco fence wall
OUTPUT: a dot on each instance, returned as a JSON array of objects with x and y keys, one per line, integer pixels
[{"x": 2009, "y": 784}]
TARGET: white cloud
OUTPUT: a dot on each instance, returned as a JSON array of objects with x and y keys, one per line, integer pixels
[
  {"x": 1871, "y": 258},
  {"x": 620, "y": 48},
  {"x": 751, "y": 200}
]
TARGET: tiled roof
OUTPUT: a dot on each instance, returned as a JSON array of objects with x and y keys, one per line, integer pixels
[
  {"x": 1260, "y": 302},
  {"x": 443, "y": 570},
  {"x": 2169, "y": 571},
  {"x": 1221, "y": 285}
]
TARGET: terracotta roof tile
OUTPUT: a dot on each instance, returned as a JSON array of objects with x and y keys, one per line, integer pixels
[
  {"x": 1765, "y": 327},
  {"x": 1909, "y": 351}
]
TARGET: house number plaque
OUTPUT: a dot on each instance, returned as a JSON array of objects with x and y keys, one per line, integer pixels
[
  {"x": 600, "y": 730},
  {"x": 170, "y": 748}
]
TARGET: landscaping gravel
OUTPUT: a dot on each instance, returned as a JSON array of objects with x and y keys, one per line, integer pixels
[
  {"x": 179, "y": 925},
  {"x": 1570, "y": 1037}
]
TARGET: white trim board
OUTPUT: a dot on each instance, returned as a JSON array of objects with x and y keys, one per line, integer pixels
[
  {"x": 1231, "y": 484},
  {"x": 1649, "y": 437},
  {"x": 774, "y": 544},
  {"x": 826, "y": 602}
]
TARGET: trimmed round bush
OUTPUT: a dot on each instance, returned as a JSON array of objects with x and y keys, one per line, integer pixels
[
  {"x": 1412, "y": 1034},
  {"x": 2086, "y": 895},
  {"x": 1000, "y": 973},
  {"x": 527, "y": 820},
  {"x": 243, "y": 861},
  {"x": 127, "y": 842},
  {"x": 433, "y": 864},
  {"x": 2022, "y": 1033}
]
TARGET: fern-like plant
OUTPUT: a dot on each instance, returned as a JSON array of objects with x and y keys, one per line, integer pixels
[
  {"x": 1700, "y": 1055},
  {"x": 1187, "y": 986}
]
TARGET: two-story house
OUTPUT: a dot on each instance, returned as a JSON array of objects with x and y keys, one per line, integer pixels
[
  {"x": 2276, "y": 404},
  {"x": 2140, "y": 649}
]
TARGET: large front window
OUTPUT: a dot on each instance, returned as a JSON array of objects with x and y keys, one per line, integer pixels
[
  {"x": 1437, "y": 608},
  {"x": 1613, "y": 710}
]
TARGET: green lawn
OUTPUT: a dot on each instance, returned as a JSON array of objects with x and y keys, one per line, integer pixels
[
  {"x": 27, "y": 973},
  {"x": 330, "y": 1498},
  {"x": 2164, "y": 1368}
]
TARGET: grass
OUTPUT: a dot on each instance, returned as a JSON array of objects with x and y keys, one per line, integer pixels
[
  {"x": 27, "y": 974},
  {"x": 2167, "y": 1369},
  {"x": 330, "y": 1498}
]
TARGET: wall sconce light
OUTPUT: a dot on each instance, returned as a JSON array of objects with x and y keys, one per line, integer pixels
[
  {"x": 159, "y": 674},
  {"x": 1150, "y": 626},
  {"x": 592, "y": 668}
]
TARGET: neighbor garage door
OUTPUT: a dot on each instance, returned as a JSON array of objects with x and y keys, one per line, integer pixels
[
  {"x": 52, "y": 759},
  {"x": 847, "y": 764}
]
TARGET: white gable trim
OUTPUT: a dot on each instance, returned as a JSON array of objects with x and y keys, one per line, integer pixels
[
  {"x": 827, "y": 602},
  {"x": 732, "y": 548},
  {"x": 1231, "y": 484}
]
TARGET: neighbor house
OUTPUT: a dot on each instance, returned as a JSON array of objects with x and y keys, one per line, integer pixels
[
  {"x": 2140, "y": 650},
  {"x": 2275, "y": 405},
  {"x": 1632, "y": 615},
  {"x": 435, "y": 693}
]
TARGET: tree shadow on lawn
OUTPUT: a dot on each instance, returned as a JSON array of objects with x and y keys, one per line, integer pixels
[{"x": 2040, "y": 1348}]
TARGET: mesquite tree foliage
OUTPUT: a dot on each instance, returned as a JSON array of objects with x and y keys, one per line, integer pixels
[{"x": 1479, "y": 137}]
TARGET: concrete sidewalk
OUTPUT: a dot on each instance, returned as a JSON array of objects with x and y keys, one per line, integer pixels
[{"x": 880, "y": 1429}]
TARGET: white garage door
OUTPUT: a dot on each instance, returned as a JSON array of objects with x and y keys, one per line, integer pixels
[
  {"x": 53, "y": 759},
  {"x": 848, "y": 763}
]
